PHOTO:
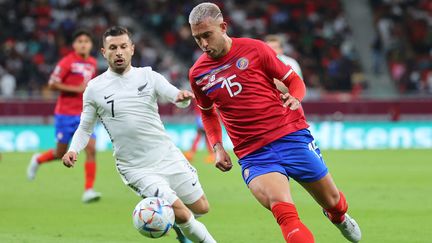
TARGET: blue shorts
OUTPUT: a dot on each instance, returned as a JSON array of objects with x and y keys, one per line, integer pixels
[
  {"x": 294, "y": 155},
  {"x": 65, "y": 127},
  {"x": 198, "y": 122}
]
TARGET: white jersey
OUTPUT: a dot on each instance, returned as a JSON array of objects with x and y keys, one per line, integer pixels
[
  {"x": 292, "y": 62},
  {"x": 126, "y": 105}
]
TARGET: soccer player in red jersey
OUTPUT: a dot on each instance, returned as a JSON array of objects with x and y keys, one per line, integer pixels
[
  {"x": 268, "y": 129},
  {"x": 200, "y": 133},
  {"x": 70, "y": 77}
]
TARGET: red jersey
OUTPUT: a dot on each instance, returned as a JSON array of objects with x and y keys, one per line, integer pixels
[
  {"x": 72, "y": 70},
  {"x": 240, "y": 85}
]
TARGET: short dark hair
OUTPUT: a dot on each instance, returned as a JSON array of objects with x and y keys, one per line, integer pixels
[
  {"x": 81, "y": 32},
  {"x": 116, "y": 31}
]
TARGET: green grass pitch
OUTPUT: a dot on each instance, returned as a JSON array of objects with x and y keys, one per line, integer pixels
[{"x": 389, "y": 193}]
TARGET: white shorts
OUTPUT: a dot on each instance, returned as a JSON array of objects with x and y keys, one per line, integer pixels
[{"x": 173, "y": 178}]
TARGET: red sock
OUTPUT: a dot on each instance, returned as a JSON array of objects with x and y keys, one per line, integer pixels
[
  {"x": 195, "y": 142},
  {"x": 46, "y": 157},
  {"x": 293, "y": 230},
  {"x": 90, "y": 174},
  {"x": 208, "y": 145},
  {"x": 337, "y": 213}
]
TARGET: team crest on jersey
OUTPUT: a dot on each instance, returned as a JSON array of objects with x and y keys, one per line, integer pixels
[
  {"x": 141, "y": 90},
  {"x": 242, "y": 63},
  {"x": 246, "y": 174}
]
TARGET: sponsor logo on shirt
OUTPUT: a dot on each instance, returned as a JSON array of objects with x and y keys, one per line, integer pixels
[
  {"x": 242, "y": 63},
  {"x": 85, "y": 69}
]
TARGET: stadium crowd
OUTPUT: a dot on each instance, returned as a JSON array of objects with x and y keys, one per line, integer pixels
[
  {"x": 36, "y": 34},
  {"x": 316, "y": 33},
  {"x": 404, "y": 37}
]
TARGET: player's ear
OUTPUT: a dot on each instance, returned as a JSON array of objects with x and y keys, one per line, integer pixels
[
  {"x": 103, "y": 52},
  {"x": 223, "y": 27},
  {"x": 133, "y": 48}
]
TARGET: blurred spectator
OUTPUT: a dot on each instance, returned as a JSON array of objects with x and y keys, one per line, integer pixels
[
  {"x": 7, "y": 84},
  {"x": 404, "y": 27},
  {"x": 313, "y": 29}
]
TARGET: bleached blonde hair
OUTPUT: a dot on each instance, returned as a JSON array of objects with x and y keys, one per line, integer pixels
[{"x": 203, "y": 11}]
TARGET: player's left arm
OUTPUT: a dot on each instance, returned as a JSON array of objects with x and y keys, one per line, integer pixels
[
  {"x": 278, "y": 70},
  {"x": 82, "y": 135},
  {"x": 163, "y": 88}
]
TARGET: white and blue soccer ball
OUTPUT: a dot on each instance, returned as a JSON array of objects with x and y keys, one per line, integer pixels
[{"x": 153, "y": 217}]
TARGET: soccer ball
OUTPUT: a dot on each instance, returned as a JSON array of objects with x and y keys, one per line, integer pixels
[{"x": 153, "y": 217}]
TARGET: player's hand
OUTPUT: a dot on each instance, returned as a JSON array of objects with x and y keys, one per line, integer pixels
[
  {"x": 290, "y": 101},
  {"x": 69, "y": 159},
  {"x": 223, "y": 160},
  {"x": 184, "y": 95}
]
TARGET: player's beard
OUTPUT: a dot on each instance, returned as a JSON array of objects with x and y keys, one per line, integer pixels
[{"x": 120, "y": 68}]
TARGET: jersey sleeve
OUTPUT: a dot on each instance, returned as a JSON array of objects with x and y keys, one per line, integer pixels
[
  {"x": 60, "y": 71},
  {"x": 167, "y": 91},
  {"x": 272, "y": 65},
  {"x": 275, "y": 68},
  {"x": 88, "y": 119},
  {"x": 203, "y": 102}
]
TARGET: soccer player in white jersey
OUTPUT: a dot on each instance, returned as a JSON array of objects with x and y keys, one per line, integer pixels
[
  {"x": 275, "y": 43},
  {"x": 124, "y": 98}
]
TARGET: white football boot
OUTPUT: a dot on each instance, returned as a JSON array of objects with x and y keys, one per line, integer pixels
[
  {"x": 32, "y": 167},
  {"x": 90, "y": 195},
  {"x": 349, "y": 228}
]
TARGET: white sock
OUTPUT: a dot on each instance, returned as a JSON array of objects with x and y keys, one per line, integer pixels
[{"x": 196, "y": 231}]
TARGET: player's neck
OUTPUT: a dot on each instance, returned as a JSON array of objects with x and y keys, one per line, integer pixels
[
  {"x": 228, "y": 45},
  {"x": 83, "y": 56},
  {"x": 119, "y": 72}
]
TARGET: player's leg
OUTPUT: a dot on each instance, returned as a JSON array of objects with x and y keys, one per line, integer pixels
[
  {"x": 303, "y": 161},
  {"x": 334, "y": 205},
  {"x": 210, "y": 157},
  {"x": 268, "y": 182},
  {"x": 183, "y": 179},
  {"x": 64, "y": 132},
  {"x": 90, "y": 195},
  {"x": 191, "y": 153},
  {"x": 155, "y": 184},
  {"x": 273, "y": 192},
  {"x": 190, "y": 227}
]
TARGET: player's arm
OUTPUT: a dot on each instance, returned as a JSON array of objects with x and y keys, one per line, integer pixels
[
  {"x": 167, "y": 91},
  {"x": 278, "y": 70},
  {"x": 212, "y": 128},
  {"x": 56, "y": 80},
  {"x": 82, "y": 135}
]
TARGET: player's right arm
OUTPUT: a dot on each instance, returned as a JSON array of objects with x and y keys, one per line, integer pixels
[
  {"x": 212, "y": 127},
  {"x": 82, "y": 135},
  {"x": 57, "y": 76}
]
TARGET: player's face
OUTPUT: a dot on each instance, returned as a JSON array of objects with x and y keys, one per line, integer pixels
[
  {"x": 82, "y": 45},
  {"x": 210, "y": 35},
  {"x": 275, "y": 46},
  {"x": 118, "y": 51}
]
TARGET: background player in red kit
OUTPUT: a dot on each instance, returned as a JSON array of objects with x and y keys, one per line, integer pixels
[
  {"x": 200, "y": 133},
  {"x": 70, "y": 77},
  {"x": 268, "y": 129}
]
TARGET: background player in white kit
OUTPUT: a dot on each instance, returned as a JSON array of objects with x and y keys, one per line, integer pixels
[{"x": 124, "y": 98}]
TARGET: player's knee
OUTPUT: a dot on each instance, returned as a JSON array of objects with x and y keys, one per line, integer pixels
[
  {"x": 182, "y": 215},
  {"x": 200, "y": 207},
  {"x": 204, "y": 209}
]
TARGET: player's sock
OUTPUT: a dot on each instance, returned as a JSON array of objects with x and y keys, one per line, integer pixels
[
  {"x": 196, "y": 231},
  {"x": 46, "y": 156},
  {"x": 90, "y": 174},
  {"x": 293, "y": 230},
  {"x": 195, "y": 143},
  {"x": 337, "y": 213}
]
